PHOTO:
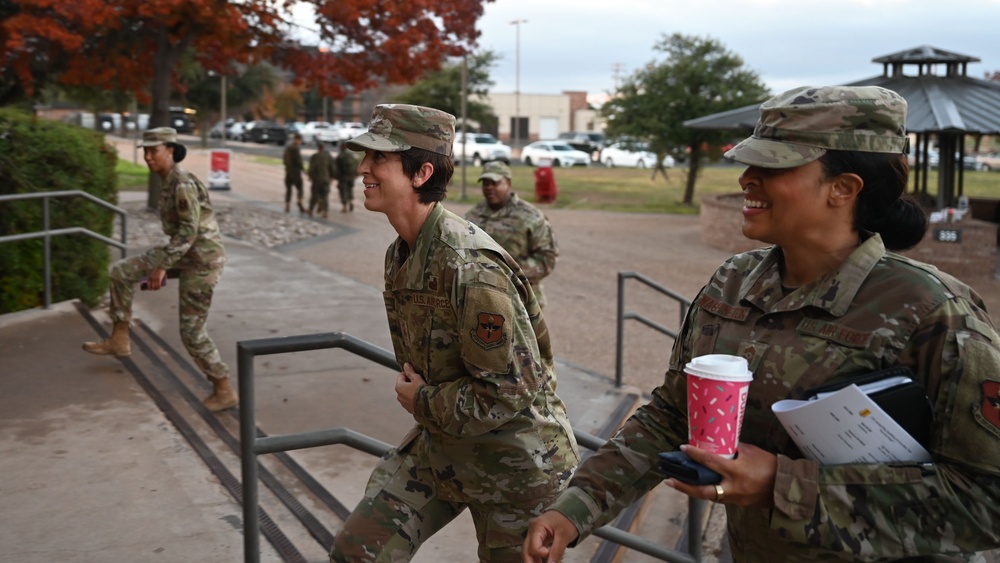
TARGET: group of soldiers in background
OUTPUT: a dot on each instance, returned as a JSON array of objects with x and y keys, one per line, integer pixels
[{"x": 323, "y": 169}]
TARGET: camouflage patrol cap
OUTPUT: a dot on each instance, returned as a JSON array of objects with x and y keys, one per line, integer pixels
[
  {"x": 158, "y": 136},
  {"x": 495, "y": 170},
  {"x": 398, "y": 127},
  {"x": 798, "y": 126}
]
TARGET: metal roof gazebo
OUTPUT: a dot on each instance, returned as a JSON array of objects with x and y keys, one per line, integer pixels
[{"x": 944, "y": 103}]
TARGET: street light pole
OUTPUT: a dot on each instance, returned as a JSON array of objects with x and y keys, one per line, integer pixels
[
  {"x": 222, "y": 104},
  {"x": 517, "y": 82}
]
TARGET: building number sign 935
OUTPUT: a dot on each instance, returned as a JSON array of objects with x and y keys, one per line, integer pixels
[{"x": 948, "y": 235}]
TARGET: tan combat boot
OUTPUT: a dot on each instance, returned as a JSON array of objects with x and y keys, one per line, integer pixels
[
  {"x": 223, "y": 397},
  {"x": 118, "y": 344}
]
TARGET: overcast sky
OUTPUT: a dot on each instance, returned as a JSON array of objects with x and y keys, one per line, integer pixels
[{"x": 577, "y": 44}]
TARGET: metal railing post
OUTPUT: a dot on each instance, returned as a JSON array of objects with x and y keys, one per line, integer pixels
[
  {"x": 248, "y": 457},
  {"x": 47, "y": 264},
  {"x": 619, "y": 344},
  {"x": 47, "y": 232},
  {"x": 251, "y": 446}
]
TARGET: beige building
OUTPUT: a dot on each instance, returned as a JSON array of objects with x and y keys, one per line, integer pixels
[{"x": 543, "y": 116}]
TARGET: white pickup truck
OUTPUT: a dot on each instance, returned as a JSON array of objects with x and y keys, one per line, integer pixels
[{"x": 480, "y": 148}]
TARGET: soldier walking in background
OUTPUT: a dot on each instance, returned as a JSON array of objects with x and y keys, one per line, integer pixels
[
  {"x": 195, "y": 248},
  {"x": 491, "y": 435},
  {"x": 293, "y": 172},
  {"x": 521, "y": 228},
  {"x": 322, "y": 168},
  {"x": 347, "y": 171}
]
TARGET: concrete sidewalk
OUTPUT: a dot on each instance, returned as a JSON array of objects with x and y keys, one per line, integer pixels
[{"x": 92, "y": 470}]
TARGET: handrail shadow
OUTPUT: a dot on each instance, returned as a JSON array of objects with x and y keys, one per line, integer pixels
[
  {"x": 251, "y": 445},
  {"x": 47, "y": 233}
]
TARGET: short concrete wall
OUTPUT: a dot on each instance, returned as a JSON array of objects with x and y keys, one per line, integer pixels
[{"x": 974, "y": 255}]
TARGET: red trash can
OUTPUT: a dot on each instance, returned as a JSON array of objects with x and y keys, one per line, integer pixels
[{"x": 545, "y": 182}]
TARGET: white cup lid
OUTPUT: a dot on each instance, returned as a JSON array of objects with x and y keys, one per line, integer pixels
[{"x": 720, "y": 366}]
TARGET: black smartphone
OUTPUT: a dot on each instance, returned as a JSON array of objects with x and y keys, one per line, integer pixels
[{"x": 679, "y": 466}]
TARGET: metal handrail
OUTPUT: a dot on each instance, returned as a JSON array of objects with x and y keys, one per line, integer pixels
[
  {"x": 252, "y": 445},
  {"x": 684, "y": 302},
  {"x": 47, "y": 233}
]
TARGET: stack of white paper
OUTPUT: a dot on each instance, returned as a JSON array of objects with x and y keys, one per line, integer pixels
[{"x": 847, "y": 427}]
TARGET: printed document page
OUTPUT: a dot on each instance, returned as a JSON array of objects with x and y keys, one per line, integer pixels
[{"x": 847, "y": 427}]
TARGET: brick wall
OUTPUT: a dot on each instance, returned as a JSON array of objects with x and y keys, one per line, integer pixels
[{"x": 975, "y": 256}]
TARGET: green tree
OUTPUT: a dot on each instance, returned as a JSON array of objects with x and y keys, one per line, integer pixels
[
  {"x": 244, "y": 86},
  {"x": 697, "y": 77},
  {"x": 443, "y": 89}
]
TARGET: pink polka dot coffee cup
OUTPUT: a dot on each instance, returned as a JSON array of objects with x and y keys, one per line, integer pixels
[{"x": 717, "y": 386}]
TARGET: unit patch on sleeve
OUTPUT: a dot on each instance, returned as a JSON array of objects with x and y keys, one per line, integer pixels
[
  {"x": 989, "y": 410},
  {"x": 489, "y": 331}
]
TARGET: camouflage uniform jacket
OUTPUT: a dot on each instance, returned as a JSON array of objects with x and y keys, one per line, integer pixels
[
  {"x": 524, "y": 232},
  {"x": 489, "y": 422},
  {"x": 293, "y": 162},
  {"x": 347, "y": 168},
  {"x": 322, "y": 167},
  {"x": 878, "y": 310},
  {"x": 188, "y": 219}
]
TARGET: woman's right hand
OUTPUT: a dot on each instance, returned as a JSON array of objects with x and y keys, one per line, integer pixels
[
  {"x": 548, "y": 536},
  {"x": 156, "y": 279}
]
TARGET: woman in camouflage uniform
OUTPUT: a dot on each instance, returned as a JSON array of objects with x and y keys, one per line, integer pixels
[
  {"x": 826, "y": 304},
  {"x": 491, "y": 434},
  {"x": 195, "y": 249}
]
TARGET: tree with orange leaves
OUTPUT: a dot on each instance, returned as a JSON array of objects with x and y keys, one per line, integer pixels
[{"x": 136, "y": 45}]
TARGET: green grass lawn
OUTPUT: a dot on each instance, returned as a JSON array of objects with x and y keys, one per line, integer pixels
[
  {"x": 132, "y": 177},
  {"x": 609, "y": 189},
  {"x": 631, "y": 190}
]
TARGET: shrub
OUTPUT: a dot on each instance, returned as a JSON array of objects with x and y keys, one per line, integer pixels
[{"x": 40, "y": 156}]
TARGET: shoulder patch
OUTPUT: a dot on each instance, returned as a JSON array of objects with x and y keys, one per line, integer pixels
[
  {"x": 989, "y": 410},
  {"x": 487, "y": 329},
  {"x": 489, "y": 332}
]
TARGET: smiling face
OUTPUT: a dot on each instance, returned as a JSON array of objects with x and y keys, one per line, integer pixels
[
  {"x": 387, "y": 187},
  {"x": 159, "y": 159},
  {"x": 787, "y": 206}
]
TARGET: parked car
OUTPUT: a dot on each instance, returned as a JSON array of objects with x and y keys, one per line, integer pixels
[
  {"x": 182, "y": 119},
  {"x": 633, "y": 154},
  {"x": 988, "y": 162},
  {"x": 350, "y": 129},
  {"x": 479, "y": 148},
  {"x": 328, "y": 133},
  {"x": 590, "y": 142},
  {"x": 236, "y": 130},
  {"x": 220, "y": 129},
  {"x": 310, "y": 128},
  {"x": 266, "y": 132},
  {"x": 558, "y": 153}
]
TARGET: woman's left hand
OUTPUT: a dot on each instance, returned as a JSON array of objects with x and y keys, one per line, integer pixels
[
  {"x": 747, "y": 481},
  {"x": 407, "y": 385}
]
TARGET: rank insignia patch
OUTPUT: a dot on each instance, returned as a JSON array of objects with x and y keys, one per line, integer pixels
[{"x": 489, "y": 331}]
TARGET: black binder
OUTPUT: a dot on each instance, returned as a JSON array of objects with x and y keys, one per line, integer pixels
[{"x": 897, "y": 393}]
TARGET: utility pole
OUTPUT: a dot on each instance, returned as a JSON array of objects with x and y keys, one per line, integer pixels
[{"x": 517, "y": 83}]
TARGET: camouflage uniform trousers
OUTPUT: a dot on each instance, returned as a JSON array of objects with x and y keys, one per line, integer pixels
[
  {"x": 399, "y": 513},
  {"x": 346, "y": 190},
  {"x": 319, "y": 196},
  {"x": 195, "y": 298},
  {"x": 293, "y": 182}
]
